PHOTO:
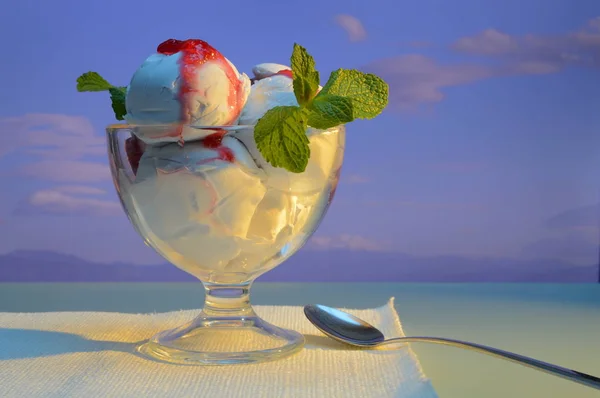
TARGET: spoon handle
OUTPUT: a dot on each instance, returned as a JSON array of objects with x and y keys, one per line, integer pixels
[{"x": 573, "y": 375}]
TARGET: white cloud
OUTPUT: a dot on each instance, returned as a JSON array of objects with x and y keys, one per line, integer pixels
[
  {"x": 415, "y": 79},
  {"x": 80, "y": 189},
  {"x": 577, "y": 218},
  {"x": 69, "y": 200},
  {"x": 488, "y": 42},
  {"x": 352, "y": 26},
  {"x": 354, "y": 179},
  {"x": 594, "y": 23},
  {"x": 50, "y": 135},
  {"x": 60, "y": 146},
  {"x": 346, "y": 241},
  {"x": 67, "y": 171},
  {"x": 533, "y": 53}
]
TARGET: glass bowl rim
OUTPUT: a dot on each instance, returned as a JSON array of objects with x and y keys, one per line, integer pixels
[
  {"x": 122, "y": 126},
  {"x": 114, "y": 128}
]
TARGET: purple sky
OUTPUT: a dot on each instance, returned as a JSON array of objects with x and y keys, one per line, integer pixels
[{"x": 490, "y": 146}]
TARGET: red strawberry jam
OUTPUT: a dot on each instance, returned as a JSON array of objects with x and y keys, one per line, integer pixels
[
  {"x": 286, "y": 72},
  {"x": 134, "y": 149},
  {"x": 214, "y": 141},
  {"x": 283, "y": 72},
  {"x": 195, "y": 53}
]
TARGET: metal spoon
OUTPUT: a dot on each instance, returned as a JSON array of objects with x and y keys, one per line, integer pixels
[{"x": 349, "y": 329}]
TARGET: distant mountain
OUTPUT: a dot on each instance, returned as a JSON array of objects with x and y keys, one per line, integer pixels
[
  {"x": 305, "y": 266},
  {"x": 46, "y": 266},
  {"x": 347, "y": 266}
]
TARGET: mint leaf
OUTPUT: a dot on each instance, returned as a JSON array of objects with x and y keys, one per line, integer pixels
[
  {"x": 369, "y": 93},
  {"x": 306, "y": 77},
  {"x": 303, "y": 63},
  {"x": 327, "y": 111},
  {"x": 304, "y": 90},
  {"x": 92, "y": 81},
  {"x": 280, "y": 137},
  {"x": 117, "y": 96}
]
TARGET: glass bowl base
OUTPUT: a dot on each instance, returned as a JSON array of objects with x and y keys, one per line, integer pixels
[{"x": 222, "y": 341}]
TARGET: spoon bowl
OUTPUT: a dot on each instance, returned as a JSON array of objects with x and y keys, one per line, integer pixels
[{"x": 343, "y": 327}]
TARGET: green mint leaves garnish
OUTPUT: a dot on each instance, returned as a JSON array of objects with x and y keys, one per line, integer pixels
[
  {"x": 281, "y": 137},
  {"x": 280, "y": 134},
  {"x": 92, "y": 81},
  {"x": 329, "y": 111},
  {"x": 369, "y": 93},
  {"x": 306, "y": 77},
  {"x": 117, "y": 96}
]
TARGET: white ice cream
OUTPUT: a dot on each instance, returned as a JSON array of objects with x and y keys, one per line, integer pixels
[
  {"x": 261, "y": 71},
  {"x": 211, "y": 215},
  {"x": 223, "y": 216},
  {"x": 153, "y": 98},
  {"x": 278, "y": 90},
  {"x": 265, "y": 94}
]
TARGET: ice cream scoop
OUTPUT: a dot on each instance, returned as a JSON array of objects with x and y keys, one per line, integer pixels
[
  {"x": 273, "y": 87},
  {"x": 325, "y": 148},
  {"x": 265, "y": 94},
  {"x": 185, "y": 83},
  {"x": 208, "y": 200},
  {"x": 264, "y": 70}
]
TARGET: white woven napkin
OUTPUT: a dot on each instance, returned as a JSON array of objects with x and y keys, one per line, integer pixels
[{"x": 88, "y": 354}]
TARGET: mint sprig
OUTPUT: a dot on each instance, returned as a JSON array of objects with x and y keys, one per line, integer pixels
[
  {"x": 117, "y": 97},
  {"x": 368, "y": 93},
  {"x": 92, "y": 81},
  {"x": 327, "y": 111},
  {"x": 281, "y": 137},
  {"x": 306, "y": 77},
  {"x": 280, "y": 134}
]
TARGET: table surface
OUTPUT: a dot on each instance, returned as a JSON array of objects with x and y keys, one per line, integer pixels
[{"x": 556, "y": 323}]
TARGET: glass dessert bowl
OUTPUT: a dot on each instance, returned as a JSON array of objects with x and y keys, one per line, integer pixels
[
  {"x": 216, "y": 209},
  {"x": 227, "y": 176}
]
